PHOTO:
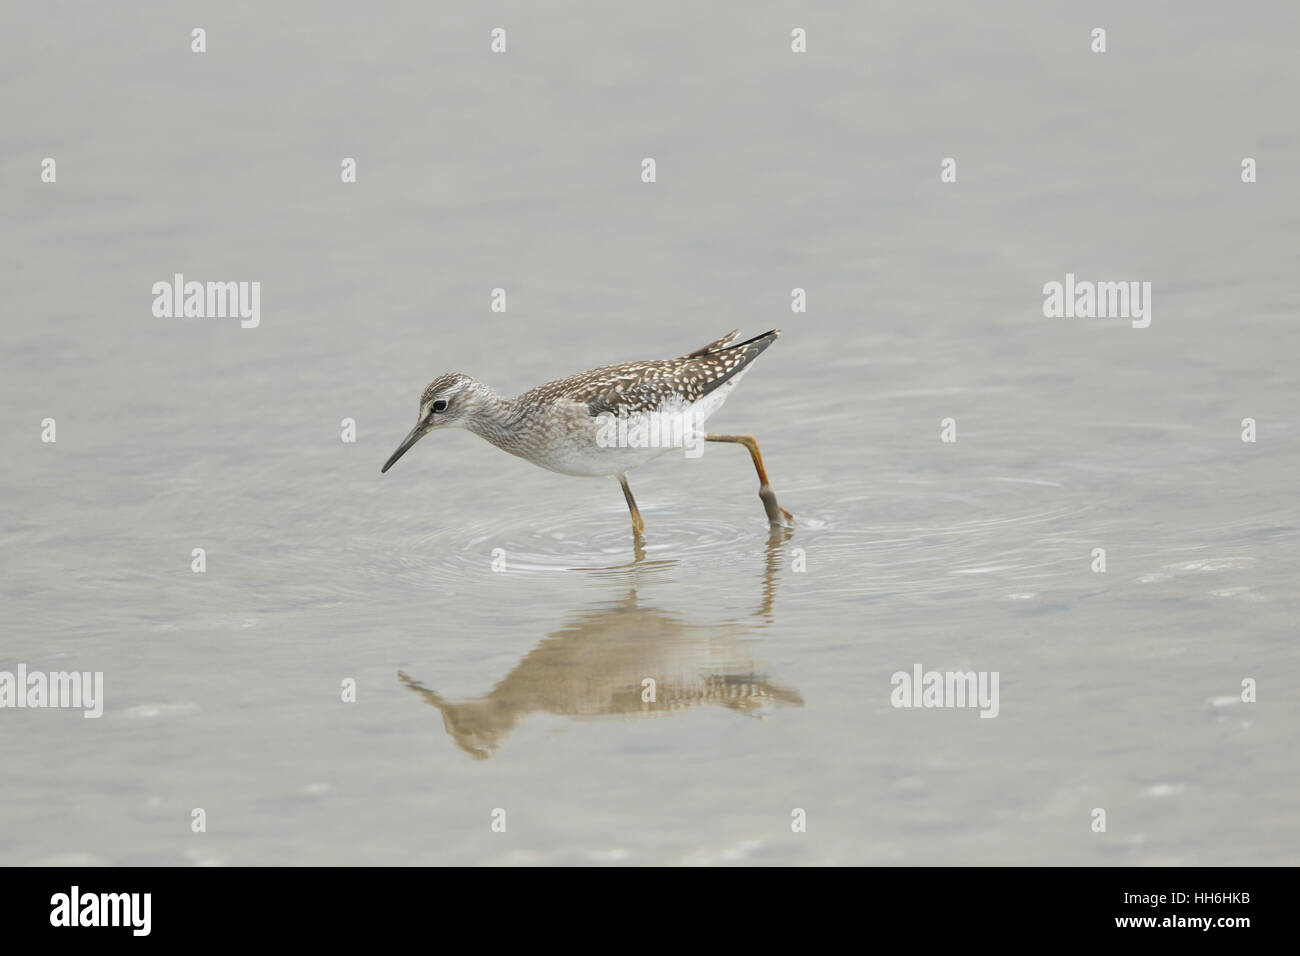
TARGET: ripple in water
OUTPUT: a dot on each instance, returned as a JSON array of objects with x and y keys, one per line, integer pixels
[
  {"x": 601, "y": 546},
  {"x": 450, "y": 556}
]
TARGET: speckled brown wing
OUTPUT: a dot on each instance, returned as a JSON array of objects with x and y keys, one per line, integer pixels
[{"x": 645, "y": 386}]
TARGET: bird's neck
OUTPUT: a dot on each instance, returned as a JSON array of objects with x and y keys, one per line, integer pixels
[{"x": 493, "y": 417}]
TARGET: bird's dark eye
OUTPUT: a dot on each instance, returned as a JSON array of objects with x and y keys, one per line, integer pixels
[{"x": 440, "y": 405}]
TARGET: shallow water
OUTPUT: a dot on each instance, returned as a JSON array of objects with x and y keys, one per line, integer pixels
[{"x": 496, "y": 618}]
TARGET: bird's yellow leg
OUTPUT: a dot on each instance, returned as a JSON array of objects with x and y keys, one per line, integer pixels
[
  {"x": 775, "y": 512},
  {"x": 638, "y": 525}
]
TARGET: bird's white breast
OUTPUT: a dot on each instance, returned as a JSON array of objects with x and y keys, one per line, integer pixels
[{"x": 586, "y": 446}]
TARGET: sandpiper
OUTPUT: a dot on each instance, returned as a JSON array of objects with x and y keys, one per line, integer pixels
[{"x": 565, "y": 425}]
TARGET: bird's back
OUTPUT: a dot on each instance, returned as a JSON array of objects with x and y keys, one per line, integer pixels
[{"x": 647, "y": 386}]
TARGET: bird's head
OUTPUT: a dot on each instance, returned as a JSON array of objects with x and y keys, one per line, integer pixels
[{"x": 446, "y": 402}]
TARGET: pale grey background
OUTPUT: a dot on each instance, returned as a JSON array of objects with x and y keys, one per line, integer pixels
[{"x": 775, "y": 171}]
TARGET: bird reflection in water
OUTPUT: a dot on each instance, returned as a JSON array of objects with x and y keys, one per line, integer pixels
[{"x": 599, "y": 663}]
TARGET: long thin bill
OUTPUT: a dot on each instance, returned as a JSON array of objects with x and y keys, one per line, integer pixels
[{"x": 415, "y": 435}]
